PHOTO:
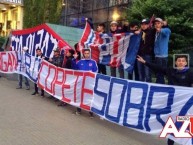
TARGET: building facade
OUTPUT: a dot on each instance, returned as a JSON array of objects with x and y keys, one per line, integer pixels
[
  {"x": 100, "y": 11},
  {"x": 11, "y": 16}
]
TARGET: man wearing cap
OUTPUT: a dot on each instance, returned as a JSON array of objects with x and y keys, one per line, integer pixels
[
  {"x": 39, "y": 55},
  {"x": 20, "y": 77},
  {"x": 162, "y": 36},
  {"x": 57, "y": 59},
  {"x": 145, "y": 50}
]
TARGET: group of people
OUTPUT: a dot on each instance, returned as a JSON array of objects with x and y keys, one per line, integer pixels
[
  {"x": 154, "y": 43},
  {"x": 70, "y": 59}
]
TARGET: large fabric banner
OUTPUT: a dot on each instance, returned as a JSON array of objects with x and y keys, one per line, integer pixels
[
  {"x": 70, "y": 86},
  {"x": 28, "y": 65},
  {"x": 41, "y": 36},
  {"x": 142, "y": 106},
  {"x": 21, "y": 63},
  {"x": 8, "y": 62},
  {"x": 111, "y": 49}
]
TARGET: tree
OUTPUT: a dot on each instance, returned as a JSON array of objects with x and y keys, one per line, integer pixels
[
  {"x": 37, "y": 12},
  {"x": 179, "y": 15}
]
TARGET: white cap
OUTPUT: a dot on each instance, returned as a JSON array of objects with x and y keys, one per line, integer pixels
[
  {"x": 158, "y": 20},
  {"x": 113, "y": 22},
  {"x": 25, "y": 48}
]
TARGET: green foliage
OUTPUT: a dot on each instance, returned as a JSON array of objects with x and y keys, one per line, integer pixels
[
  {"x": 37, "y": 12},
  {"x": 2, "y": 40},
  {"x": 178, "y": 13}
]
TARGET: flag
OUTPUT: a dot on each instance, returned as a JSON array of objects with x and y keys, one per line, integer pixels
[{"x": 111, "y": 49}]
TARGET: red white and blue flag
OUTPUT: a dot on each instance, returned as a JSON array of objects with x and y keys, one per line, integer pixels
[{"x": 111, "y": 49}]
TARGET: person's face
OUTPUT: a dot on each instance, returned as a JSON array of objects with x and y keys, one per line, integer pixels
[
  {"x": 39, "y": 52},
  {"x": 181, "y": 63},
  {"x": 56, "y": 53},
  {"x": 100, "y": 29},
  {"x": 113, "y": 27},
  {"x": 86, "y": 54},
  {"x": 158, "y": 24},
  {"x": 134, "y": 28},
  {"x": 144, "y": 26},
  {"x": 68, "y": 54}
]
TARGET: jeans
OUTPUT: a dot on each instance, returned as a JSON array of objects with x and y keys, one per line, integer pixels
[
  {"x": 114, "y": 71},
  {"x": 102, "y": 69},
  {"x": 36, "y": 89},
  {"x": 121, "y": 72},
  {"x": 20, "y": 79},
  {"x": 143, "y": 71},
  {"x": 162, "y": 62},
  {"x": 134, "y": 72}
]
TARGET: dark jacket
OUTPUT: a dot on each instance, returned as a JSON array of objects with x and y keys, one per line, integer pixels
[
  {"x": 57, "y": 61},
  {"x": 68, "y": 63},
  {"x": 147, "y": 42},
  {"x": 175, "y": 77}
]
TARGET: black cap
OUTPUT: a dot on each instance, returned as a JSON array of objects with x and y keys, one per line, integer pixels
[
  {"x": 145, "y": 21},
  {"x": 38, "y": 49}
]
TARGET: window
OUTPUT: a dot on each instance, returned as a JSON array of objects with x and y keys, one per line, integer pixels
[
  {"x": 98, "y": 4},
  {"x": 73, "y": 6}
]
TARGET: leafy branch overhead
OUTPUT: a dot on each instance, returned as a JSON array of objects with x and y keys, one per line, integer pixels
[
  {"x": 37, "y": 12},
  {"x": 179, "y": 15}
]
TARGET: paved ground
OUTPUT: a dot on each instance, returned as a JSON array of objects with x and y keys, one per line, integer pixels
[{"x": 32, "y": 120}]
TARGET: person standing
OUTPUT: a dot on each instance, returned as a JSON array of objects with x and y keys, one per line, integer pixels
[
  {"x": 20, "y": 77},
  {"x": 113, "y": 69},
  {"x": 68, "y": 63},
  {"x": 56, "y": 60},
  {"x": 86, "y": 64},
  {"x": 101, "y": 67},
  {"x": 145, "y": 50},
  {"x": 162, "y": 36},
  {"x": 39, "y": 55},
  {"x": 134, "y": 28}
]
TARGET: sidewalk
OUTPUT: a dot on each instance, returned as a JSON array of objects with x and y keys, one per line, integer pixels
[{"x": 32, "y": 120}]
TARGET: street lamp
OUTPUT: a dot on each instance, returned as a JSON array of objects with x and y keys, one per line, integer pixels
[
  {"x": 115, "y": 16},
  {"x": 63, "y": 3}
]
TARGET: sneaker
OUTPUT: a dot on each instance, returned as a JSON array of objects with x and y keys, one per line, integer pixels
[
  {"x": 42, "y": 95},
  {"x": 91, "y": 115},
  {"x": 62, "y": 104},
  {"x": 19, "y": 87},
  {"x": 27, "y": 88},
  {"x": 35, "y": 93},
  {"x": 77, "y": 113},
  {"x": 101, "y": 118}
]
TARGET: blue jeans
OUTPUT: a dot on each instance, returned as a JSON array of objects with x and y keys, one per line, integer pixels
[
  {"x": 143, "y": 71},
  {"x": 162, "y": 62},
  {"x": 20, "y": 79}
]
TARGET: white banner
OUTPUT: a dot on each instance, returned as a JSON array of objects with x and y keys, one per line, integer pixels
[
  {"x": 8, "y": 62},
  {"x": 145, "y": 107},
  {"x": 73, "y": 87}
]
